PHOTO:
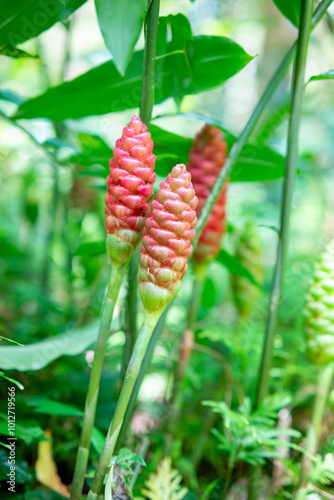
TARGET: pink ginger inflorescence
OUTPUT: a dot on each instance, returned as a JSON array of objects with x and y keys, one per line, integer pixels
[
  {"x": 129, "y": 190},
  {"x": 206, "y": 159},
  {"x": 167, "y": 240}
]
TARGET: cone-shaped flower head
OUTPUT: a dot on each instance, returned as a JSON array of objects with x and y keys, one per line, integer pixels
[
  {"x": 168, "y": 235},
  {"x": 129, "y": 190},
  {"x": 319, "y": 310},
  {"x": 248, "y": 253},
  {"x": 206, "y": 158}
]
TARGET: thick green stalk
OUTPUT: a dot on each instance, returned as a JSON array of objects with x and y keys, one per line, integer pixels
[
  {"x": 148, "y": 83},
  {"x": 283, "y": 236},
  {"x": 146, "y": 361},
  {"x": 123, "y": 401},
  {"x": 325, "y": 378},
  {"x": 290, "y": 173},
  {"x": 250, "y": 126},
  {"x": 116, "y": 279},
  {"x": 146, "y": 106},
  {"x": 131, "y": 310}
]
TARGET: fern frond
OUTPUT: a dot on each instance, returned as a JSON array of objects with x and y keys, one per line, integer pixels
[{"x": 164, "y": 484}]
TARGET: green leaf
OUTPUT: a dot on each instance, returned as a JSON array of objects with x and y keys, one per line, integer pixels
[
  {"x": 169, "y": 149},
  {"x": 76, "y": 99},
  {"x": 39, "y": 354},
  {"x": 290, "y": 9},
  {"x": 181, "y": 35},
  {"x": 113, "y": 92},
  {"x": 22, "y": 474},
  {"x": 15, "y": 382},
  {"x": 258, "y": 163},
  {"x": 28, "y": 433},
  {"x": 234, "y": 266},
  {"x": 51, "y": 407},
  {"x": 255, "y": 163},
  {"x": 11, "y": 51},
  {"x": 329, "y": 75},
  {"x": 25, "y": 19},
  {"x": 214, "y": 60},
  {"x": 97, "y": 440},
  {"x": 120, "y": 23},
  {"x": 92, "y": 248}
]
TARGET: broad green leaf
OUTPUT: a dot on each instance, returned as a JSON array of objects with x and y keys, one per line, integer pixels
[
  {"x": 121, "y": 22},
  {"x": 39, "y": 354},
  {"x": 91, "y": 248},
  {"x": 11, "y": 51},
  {"x": 181, "y": 37},
  {"x": 213, "y": 61},
  {"x": 102, "y": 90},
  {"x": 234, "y": 266},
  {"x": 25, "y": 19},
  {"x": 256, "y": 162},
  {"x": 51, "y": 407},
  {"x": 290, "y": 9},
  {"x": 329, "y": 75}
]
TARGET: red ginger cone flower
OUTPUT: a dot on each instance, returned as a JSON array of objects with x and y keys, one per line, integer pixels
[
  {"x": 206, "y": 158},
  {"x": 129, "y": 190},
  {"x": 168, "y": 235}
]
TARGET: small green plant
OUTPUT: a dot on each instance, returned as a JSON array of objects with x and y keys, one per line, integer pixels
[
  {"x": 164, "y": 484},
  {"x": 251, "y": 436}
]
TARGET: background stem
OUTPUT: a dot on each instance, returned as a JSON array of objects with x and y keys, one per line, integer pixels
[
  {"x": 174, "y": 408},
  {"x": 325, "y": 378},
  {"x": 283, "y": 236},
  {"x": 123, "y": 401},
  {"x": 116, "y": 279},
  {"x": 250, "y": 126},
  {"x": 148, "y": 83},
  {"x": 288, "y": 184}
]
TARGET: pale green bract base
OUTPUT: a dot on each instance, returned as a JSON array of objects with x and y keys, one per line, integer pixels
[
  {"x": 120, "y": 248},
  {"x": 155, "y": 298}
]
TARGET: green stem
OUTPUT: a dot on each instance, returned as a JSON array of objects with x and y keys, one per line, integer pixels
[
  {"x": 146, "y": 106},
  {"x": 131, "y": 310},
  {"x": 175, "y": 404},
  {"x": 224, "y": 389},
  {"x": 325, "y": 378},
  {"x": 227, "y": 482},
  {"x": 290, "y": 173},
  {"x": 196, "y": 297},
  {"x": 137, "y": 468},
  {"x": 146, "y": 361},
  {"x": 116, "y": 279},
  {"x": 148, "y": 83},
  {"x": 123, "y": 401},
  {"x": 250, "y": 126},
  {"x": 283, "y": 236}
]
